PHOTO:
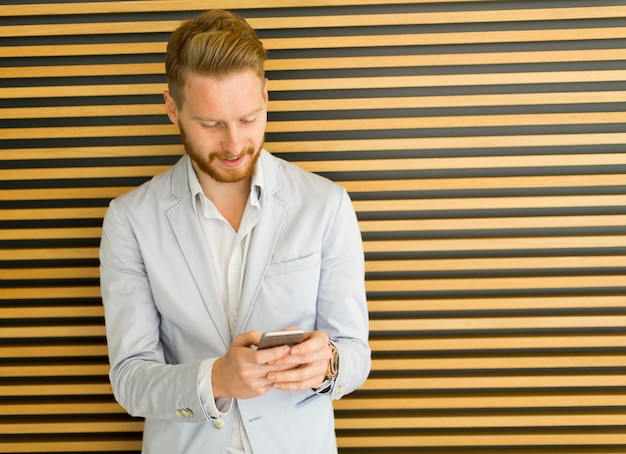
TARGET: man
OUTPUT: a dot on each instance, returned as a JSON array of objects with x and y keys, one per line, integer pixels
[{"x": 229, "y": 243}]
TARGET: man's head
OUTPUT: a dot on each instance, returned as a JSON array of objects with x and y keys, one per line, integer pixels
[
  {"x": 218, "y": 95},
  {"x": 215, "y": 44}
]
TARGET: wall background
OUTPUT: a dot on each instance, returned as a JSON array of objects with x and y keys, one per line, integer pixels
[{"x": 483, "y": 143}]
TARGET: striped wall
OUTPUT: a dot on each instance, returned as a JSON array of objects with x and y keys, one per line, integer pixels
[{"x": 483, "y": 144}]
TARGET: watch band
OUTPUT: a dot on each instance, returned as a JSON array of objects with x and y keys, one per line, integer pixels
[
  {"x": 332, "y": 371},
  {"x": 333, "y": 363}
]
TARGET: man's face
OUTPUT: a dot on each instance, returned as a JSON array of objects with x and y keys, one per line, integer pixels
[{"x": 222, "y": 124}]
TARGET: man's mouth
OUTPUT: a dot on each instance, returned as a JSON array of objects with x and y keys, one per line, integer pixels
[{"x": 232, "y": 161}]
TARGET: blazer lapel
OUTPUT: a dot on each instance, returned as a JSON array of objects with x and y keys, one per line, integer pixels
[
  {"x": 189, "y": 235},
  {"x": 264, "y": 238}
]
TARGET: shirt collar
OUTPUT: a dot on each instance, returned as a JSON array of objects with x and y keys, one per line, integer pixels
[{"x": 256, "y": 195}]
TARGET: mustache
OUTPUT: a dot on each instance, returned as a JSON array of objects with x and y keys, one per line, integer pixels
[{"x": 227, "y": 155}]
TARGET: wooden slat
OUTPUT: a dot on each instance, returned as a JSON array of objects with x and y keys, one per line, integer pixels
[
  {"x": 508, "y": 400},
  {"x": 70, "y": 446},
  {"x": 497, "y": 283},
  {"x": 497, "y": 244},
  {"x": 63, "y": 193},
  {"x": 447, "y": 143},
  {"x": 491, "y": 440},
  {"x": 90, "y": 131},
  {"x": 44, "y": 351},
  {"x": 50, "y": 273},
  {"x": 71, "y": 427},
  {"x": 514, "y": 243},
  {"x": 386, "y": 325},
  {"x": 44, "y": 254},
  {"x": 47, "y": 371},
  {"x": 495, "y": 303},
  {"x": 516, "y": 15},
  {"x": 369, "y": 124},
  {"x": 46, "y": 292},
  {"x": 59, "y": 312},
  {"x": 493, "y": 382},
  {"x": 380, "y": 186},
  {"x": 337, "y": 42},
  {"x": 491, "y": 264},
  {"x": 484, "y": 162},
  {"x": 91, "y": 152},
  {"x": 461, "y": 422},
  {"x": 35, "y": 332},
  {"x": 430, "y": 39},
  {"x": 54, "y": 213},
  {"x": 456, "y": 224},
  {"x": 495, "y": 58},
  {"x": 449, "y": 80},
  {"x": 409, "y": 102},
  {"x": 498, "y": 323},
  {"x": 81, "y": 389},
  {"x": 311, "y": 105},
  {"x": 82, "y": 172},
  {"x": 83, "y": 91},
  {"x": 474, "y": 80},
  {"x": 511, "y": 342},
  {"x": 52, "y": 233},
  {"x": 549, "y": 181},
  {"x": 184, "y": 5},
  {"x": 459, "y": 121},
  {"x": 490, "y": 202}
]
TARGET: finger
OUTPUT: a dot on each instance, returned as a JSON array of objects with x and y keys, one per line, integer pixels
[
  {"x": 313, "y": 371},
  {"x": 298, "y": 379},
  {"x": 272, "y": 355},
  {"x": 318, "y": 352},
  {"x": 315, "y": 340}
]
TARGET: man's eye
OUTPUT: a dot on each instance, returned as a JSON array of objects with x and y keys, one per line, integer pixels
[
  {"x": 248, "y": 120},
  {"x": 211, "y": 125}
]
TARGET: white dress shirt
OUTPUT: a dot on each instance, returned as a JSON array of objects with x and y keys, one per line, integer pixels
[{"x": 228, "y": 251}]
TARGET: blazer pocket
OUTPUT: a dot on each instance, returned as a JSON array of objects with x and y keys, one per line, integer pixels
[
  {"x": 288, "y": 296},
  {"x": 294, "y": 265}
]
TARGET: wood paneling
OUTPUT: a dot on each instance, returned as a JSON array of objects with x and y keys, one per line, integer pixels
[{"x": 482, "y": 143}]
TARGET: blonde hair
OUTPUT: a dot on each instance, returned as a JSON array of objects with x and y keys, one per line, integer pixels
[{"x": 216, "y": 43}]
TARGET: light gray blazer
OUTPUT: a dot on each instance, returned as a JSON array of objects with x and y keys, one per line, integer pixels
[{"x": 164, "y": 314}]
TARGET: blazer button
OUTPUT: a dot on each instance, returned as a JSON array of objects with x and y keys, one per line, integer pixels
[
  {"x": 184, "y": 413},
  {"x": 219, "y": 423}
]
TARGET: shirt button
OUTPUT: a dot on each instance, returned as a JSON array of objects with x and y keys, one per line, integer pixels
[
  {"x": 219, "y": 423},
  {"x": 338, "y": 389},
  {"x": 234, "y": 269}
]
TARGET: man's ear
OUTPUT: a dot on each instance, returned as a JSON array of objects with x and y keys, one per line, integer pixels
[
  {"x": 170, "y": 107},
  {"x": 266, "y": 95}
]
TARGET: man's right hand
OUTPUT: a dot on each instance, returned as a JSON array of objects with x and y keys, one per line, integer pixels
[{"x": 242, "y": 372}]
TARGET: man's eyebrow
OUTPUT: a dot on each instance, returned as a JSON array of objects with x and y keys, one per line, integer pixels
[{"x": 254, "y": 112}]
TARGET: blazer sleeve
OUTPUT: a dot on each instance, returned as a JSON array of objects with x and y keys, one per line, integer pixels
[
  {"x": 342, "y": 307},
  {"x": 142, "y": 381}
]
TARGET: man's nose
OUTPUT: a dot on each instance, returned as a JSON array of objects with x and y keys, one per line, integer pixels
[{"x": 232, "y": 140}]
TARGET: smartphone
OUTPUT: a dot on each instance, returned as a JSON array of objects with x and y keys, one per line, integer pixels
[{"x": 286, "y": 337}]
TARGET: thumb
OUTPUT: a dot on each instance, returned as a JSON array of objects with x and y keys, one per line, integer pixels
[{"x": 247, "y": 339}]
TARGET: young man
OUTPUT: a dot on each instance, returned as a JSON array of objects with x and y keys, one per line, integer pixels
[{"x": 229, "y": 243}]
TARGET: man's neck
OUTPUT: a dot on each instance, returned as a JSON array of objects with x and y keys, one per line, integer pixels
[{"x": 229, "y": 198}]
